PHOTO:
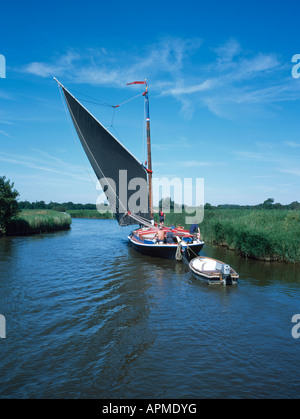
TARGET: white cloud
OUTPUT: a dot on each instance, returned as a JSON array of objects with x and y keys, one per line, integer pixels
[
  {"x": 228, "y": 85},
  {"x": 198, "y": 163},
  {"x": 228, "y": 51},
  {"x": 61, "y": 66},
  {"x": 183, "y": 90},
  {"x": 45, "y": 162},
  {"x": 292, "y": 144},
  {"x": 249, "y": 155},
  {"x": 5, "y": 134},
  {"x": 295, "y": 172}
]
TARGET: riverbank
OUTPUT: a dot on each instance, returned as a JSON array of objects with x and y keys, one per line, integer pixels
[
  {"x": 263, "y": 234},
  {"x": 38, "y": 221},
  {"x": 260, "y": 234}
]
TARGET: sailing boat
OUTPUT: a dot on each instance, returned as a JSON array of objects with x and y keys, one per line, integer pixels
[{"x": 127, "y": 183}]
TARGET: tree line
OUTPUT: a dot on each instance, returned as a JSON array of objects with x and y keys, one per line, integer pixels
[
  {"x": 267, "y": 204},
  {"x": 63, "y": 207},
  {"x": 165, "y": 202}
]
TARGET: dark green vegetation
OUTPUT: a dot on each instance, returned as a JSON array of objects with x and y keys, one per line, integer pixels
[
  {"x": 64, "y": 207},
  {"x": 8, "y": 204},
  {"x": 261, "y": 234},
  {"x": 257, "y": 233},
  {"x": 75, "y": 210},
  {"x": 38, "y": 221},
  {"x": 89, "y": 213}
]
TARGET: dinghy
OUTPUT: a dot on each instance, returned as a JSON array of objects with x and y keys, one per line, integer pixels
[{"x": 213, "y": 271}]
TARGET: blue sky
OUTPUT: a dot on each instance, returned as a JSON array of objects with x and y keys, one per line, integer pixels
[{"x": 223, "y": 103}]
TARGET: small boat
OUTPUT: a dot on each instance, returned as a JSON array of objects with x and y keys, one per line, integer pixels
[
  {"x": 213, "y": 271},
  {"x": 184, "y": 245}
]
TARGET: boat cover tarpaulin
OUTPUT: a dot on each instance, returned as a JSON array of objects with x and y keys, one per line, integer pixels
[{"x": 108, "y": 157}]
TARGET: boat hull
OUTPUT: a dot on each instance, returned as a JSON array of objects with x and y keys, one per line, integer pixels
[
  {"x": 165, "y": 250},
  {"x": 213, "y": 274}
]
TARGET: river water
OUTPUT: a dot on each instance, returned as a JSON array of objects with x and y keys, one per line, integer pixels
[{"x": 88, "y": 317}]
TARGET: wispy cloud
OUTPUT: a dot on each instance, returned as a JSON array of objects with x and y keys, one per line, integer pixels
[
  {"x": 101, "y": 67},
  {"x": 5, "y": 134},
  {"x": 62, "y": 65},
  {"x": 249, "y": 155},
  {"x": 228, "y": 51},
  {"x": 291, "y": 171},
  {"x": 230, "y": 83},
  {"x": 292, "y": 144},
  {"x": 45, "y": 162},
  {"x": 198, "y": 163}
]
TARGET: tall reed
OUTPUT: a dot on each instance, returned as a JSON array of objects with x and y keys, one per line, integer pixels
[
  {"x": 39, "y": 221},
  {"x": 259, "y": 233}
]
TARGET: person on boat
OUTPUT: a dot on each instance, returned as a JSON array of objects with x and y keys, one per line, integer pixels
[
  {"x": 161, "y": 217},
  {"x": 170, "y": 237},
  {"x": 195, "y": 230},
  {"x": 160, "y": 235}
]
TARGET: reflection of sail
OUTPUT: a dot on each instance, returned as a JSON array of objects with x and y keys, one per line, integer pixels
[{"x": 108, "y": 157}]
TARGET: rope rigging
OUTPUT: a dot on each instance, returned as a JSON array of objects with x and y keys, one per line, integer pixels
[
  {"x": 97, "y": 102},
  {"x": 114, "y": 107}
]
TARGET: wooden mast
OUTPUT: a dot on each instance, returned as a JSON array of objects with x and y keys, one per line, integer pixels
[{"x": 149, "y": 170}]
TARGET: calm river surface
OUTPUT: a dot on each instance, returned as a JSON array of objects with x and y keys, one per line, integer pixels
[{"x": 88, "y": 317}]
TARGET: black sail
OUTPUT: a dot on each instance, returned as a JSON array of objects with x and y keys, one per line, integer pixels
[{"x": 113, "y": 164}]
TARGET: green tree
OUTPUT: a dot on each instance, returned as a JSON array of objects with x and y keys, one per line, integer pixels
[
  {"x": 166, "y": 203},
  {"x": 8, "y": 203},
  {"x": 268, "y": 203}
]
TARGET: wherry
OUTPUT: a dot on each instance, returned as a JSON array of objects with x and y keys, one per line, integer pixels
[{"x": 127, "y": 183}]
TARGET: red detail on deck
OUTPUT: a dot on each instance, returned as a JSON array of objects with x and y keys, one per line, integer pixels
[{"x": 176, "y": 231}]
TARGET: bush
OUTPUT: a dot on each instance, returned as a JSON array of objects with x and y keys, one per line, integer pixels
[{"x": 8, "y": 203}]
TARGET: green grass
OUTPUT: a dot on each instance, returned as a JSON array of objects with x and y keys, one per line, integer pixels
[
  {"x": 39, "y": 221},
  {"x": 259, "y": 233},
  {"x": 86, "y": 213}
]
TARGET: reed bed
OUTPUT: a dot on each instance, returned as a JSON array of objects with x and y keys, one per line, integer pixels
[
  {"x": 87, "y": 213},
  {"x": 39, "y": 221},
  {"x": 260, "y": 233}
]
